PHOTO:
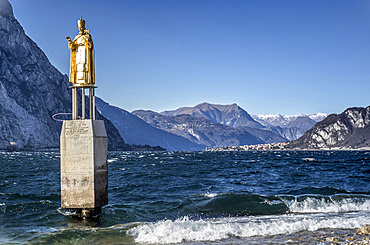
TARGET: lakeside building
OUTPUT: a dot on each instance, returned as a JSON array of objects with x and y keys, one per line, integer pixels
[{"x": 259, "y": 147}]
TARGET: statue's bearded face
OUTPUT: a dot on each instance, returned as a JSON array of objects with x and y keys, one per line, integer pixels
[{"x": 81, "y": 27}]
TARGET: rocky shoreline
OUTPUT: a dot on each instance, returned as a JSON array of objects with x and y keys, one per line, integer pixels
[{"x": 362, "y": 236}]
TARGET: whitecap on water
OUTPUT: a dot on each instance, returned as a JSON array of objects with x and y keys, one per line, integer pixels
[
  {"x": 112, "y": 160},
  {"x": 66, "y": 212},
  {"x": 45, "y": 201},
  {"x": 273, "y": 202},
  {"x": 309, "y": 159},
  {"x": 328, "y": 205},
  {"x": 209, "y": 195},
  {"x": 2, "y": 207}
]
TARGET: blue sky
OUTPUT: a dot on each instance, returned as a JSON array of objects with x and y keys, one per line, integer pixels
[{"x": 286, "y": 57}]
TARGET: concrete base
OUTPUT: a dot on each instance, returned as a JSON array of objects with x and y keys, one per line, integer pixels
[{"x": 84, "y": 165}]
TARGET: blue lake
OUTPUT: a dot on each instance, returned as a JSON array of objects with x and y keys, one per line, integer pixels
[{"x": 191, "y": 198}]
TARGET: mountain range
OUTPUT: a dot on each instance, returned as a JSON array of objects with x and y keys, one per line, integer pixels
[
  {"x": 199, "y": 130},
  {"x": 289, "y": 127},
  {"x": 204, "y": 125},
  {"x": 136, "y": 131}
]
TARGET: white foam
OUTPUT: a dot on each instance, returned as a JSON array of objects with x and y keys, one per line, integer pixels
[
  {"x": 3, "y": 208},
  {"x": 209, "y": 195},
  {"x": 186, "y": 230},
  {"x": 45, "y": 201},
  {"x": 309, "y": 159},
  {"x": 328, "y": 205},
  {"x": 66, "y": 212}
]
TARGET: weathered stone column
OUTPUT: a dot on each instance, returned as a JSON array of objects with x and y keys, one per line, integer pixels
[{"x": 84, "y": 167}]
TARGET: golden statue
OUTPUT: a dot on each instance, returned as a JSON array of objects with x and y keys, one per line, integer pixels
[{"x": 82, "y": 69}]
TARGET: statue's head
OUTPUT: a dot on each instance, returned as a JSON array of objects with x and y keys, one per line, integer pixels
[{"x": 81, "y": 25}]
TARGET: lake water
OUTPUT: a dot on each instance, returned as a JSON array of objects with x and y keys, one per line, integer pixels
[{"x": 283, "y": 197}]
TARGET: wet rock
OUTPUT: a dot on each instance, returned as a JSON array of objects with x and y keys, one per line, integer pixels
[
  {"x": 332, "y": 239},
  {"x": 364, "y": 230}
]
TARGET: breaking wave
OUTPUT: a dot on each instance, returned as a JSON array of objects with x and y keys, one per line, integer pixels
[
  {"x": 230, "y": 204},
  {"x": 334, "y": 204},
  {"x": 187, "y": 230},
  {"x": 303, "y": 213}
]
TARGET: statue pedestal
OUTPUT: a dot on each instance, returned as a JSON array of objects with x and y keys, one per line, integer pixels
[{"x": 84, "y": 168}]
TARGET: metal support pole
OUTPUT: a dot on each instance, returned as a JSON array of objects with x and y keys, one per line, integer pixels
[
  {"x": 90, "y": 103},
  {"x": 74, "y": 103},
  {"x": 83, "y": 103},
  {"x": 93, "y": 102}
]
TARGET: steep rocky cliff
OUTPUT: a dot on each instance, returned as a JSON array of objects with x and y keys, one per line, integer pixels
[
  {"x": 350, "y": 129},
  {"x": 31, "y": 91}
]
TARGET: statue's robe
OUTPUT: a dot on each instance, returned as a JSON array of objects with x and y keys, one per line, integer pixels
[{"x": 82, "y": 69}]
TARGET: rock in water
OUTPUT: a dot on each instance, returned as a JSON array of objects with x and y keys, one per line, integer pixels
[
  {"x": 332, "y": 239},
  {"x": 364, "y": 230}
]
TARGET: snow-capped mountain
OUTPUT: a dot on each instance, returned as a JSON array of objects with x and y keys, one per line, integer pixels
[
  {"x": 269, "y": 120},
  {"x": 318, "y": 117}
]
